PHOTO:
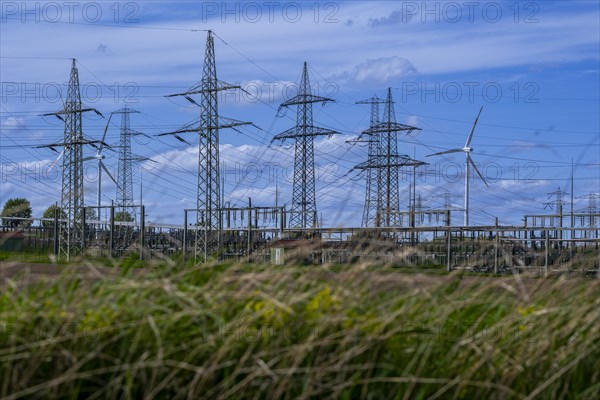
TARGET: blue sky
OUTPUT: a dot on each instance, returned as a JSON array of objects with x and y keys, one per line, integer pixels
[{"x": 533, "y": 66}]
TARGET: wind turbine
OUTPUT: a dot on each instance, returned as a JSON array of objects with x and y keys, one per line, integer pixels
[
  {"x": 99, "y": 156},
  {"x": 468, "y": 162}
]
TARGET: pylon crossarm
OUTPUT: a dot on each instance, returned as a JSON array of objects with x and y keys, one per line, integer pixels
[
  {"x": 75, "y": 111},
  {"x": 299, "y": 131},
  {"x": 389, "y": 161},
  {"x": 305, "y": 99},
  {"x": 195, "y": 126},
  {"x": 390, "y": 127},
  {"x": 177, "y": 132},
  {"x": 225, "y": 122},
  {"x": 72, "y": 143},
  {"x": 359, "y": 140},
  {"x": 201, "y": 88}
]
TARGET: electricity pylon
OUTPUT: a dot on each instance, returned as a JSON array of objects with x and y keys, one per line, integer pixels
[
  {"x": 557, "y": 204},
  {"x": 388, "y": 162},
  {"x": 124, "y": 173},
  {"x": 71, "y": 239},
  {"x": 208, "y": 222},
  {"x": 592, "y": 207},
  {"x": 372, "y": 178},
  {"x": 304, "y": 205},
  {"x": 447, "y": 197}
]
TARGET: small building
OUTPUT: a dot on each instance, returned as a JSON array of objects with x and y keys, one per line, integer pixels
[
  {"x": 11, "y": 241},
  {"x": 299, "y": 250}
]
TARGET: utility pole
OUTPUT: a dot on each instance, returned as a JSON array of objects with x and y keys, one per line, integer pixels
[
  {"x": 572, "y": 205},
  {"x": 209, "y": 223},
  {"x": 304, "y": 205}
]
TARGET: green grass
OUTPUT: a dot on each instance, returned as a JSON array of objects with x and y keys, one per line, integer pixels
[{"x": 247, "y": 331}]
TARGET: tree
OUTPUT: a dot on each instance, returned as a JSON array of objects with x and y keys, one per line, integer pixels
[
  {"x": 49, "y": 213},
  {"x": 90, "y": 213},
  {"x": 16, "y": 208},
  {"x": 123, "y": 216}
]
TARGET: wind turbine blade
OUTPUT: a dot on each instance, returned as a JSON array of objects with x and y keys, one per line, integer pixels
[
  {"x": 473, "y": 129},
  {"x": 108, "y": 172},
  {"x": 476, "y": 170},
  {"x": 445, "y": 152},
  {"x": 104, "y": 134}
]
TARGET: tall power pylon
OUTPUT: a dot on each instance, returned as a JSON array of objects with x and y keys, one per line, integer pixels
[
  {"x": 388, "y": 162},
  {"x": 447, "y": 197},
  {"x": 372, "y": 178},
  {"x": 304, "y": 205},
  {"x": 209, "y": 224},
  {"x": 71, "y": 240},
  {"x": 591, "y": 209},
  {"x": 124, "y": 173},
  {"x": 557, "y": 203}
]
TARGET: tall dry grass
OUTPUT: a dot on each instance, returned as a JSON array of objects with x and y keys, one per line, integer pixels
[{"x": 241, "y": 331}]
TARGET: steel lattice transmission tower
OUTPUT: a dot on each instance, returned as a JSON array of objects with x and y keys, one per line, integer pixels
[
  {"x": 124, "y": 173},
  {"x": 388, "y": 162},
  {"x": 304, "y": 205},
  {"x": 372, "y": 178},
  {"x": 447, "y": 198},
  {"x": 71, "y": 201},
  {"x": 558, "y": 203},
  {"x": 208, "y": 221},
  {"x": 592, "y": 207},
  {"x": 71, "y": 239}
]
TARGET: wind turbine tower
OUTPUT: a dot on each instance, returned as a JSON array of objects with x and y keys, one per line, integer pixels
[{"x": 469, "y": 163}]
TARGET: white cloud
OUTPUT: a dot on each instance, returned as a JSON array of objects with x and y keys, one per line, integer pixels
[
  {"x": 412, "y": 120},
  {"x": 380, "y": 71},
  {"x": 13, "y": 122}
]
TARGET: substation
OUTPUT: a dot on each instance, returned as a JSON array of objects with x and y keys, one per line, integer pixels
[{"x": 419, "y": 237}]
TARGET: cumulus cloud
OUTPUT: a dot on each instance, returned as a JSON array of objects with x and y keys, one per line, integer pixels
[
  {"x": 524, "y": 146},
  {"x": 412, "y": 120},
  {"x": 256, "y": 90},
  {"x": 395, "y": 17},
  {"x": 379, "y": 70},
  {"x": 13, "y": 122}
]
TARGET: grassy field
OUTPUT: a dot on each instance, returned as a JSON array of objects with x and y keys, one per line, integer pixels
[{"x": 248, "y": 331}]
